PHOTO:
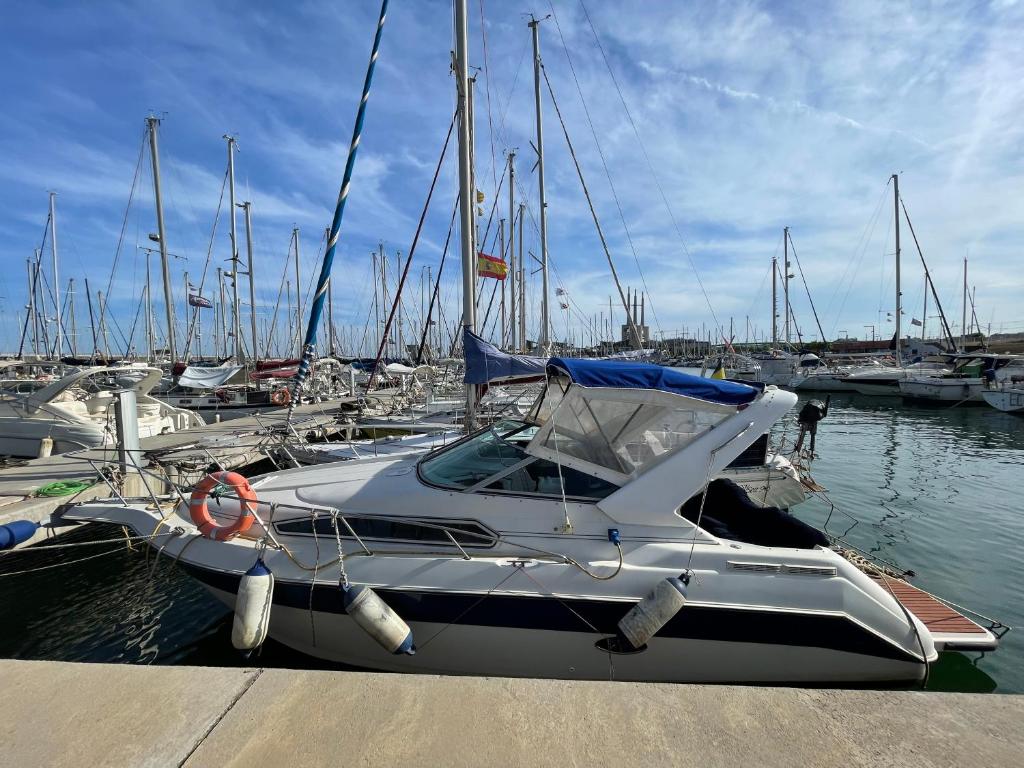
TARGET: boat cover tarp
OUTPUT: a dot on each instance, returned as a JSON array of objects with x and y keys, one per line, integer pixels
[
  {"x": 397, "y": 369},
  {"x": 486, "y": 363},
  {"x": 629, "y": 375},
  {"x": 195, "y": 377}
]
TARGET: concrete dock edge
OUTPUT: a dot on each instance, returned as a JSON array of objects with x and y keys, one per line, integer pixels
[{"x": 60, "y": 714}]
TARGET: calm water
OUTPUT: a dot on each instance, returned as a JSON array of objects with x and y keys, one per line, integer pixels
[{"x": 937, "y": 491}]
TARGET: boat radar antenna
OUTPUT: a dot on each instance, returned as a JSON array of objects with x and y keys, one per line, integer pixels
[{"x": 309, "y": 343}]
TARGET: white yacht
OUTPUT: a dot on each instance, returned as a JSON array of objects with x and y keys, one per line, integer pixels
[
  {"x": 76, "y": 411},
  {"x": 519, "y": 549},
  {"x": 815, "y": 375},
  {"x": 884, "y": 380},
  {"x": 966, "y": 382}
]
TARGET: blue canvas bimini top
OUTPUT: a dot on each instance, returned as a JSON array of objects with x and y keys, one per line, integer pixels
[{"x": 629, "y": 375}]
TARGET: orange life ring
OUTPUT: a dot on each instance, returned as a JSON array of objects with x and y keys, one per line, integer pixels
[
  {"x": 280, "y": 397},
  {"x": 200, "y": 515}
]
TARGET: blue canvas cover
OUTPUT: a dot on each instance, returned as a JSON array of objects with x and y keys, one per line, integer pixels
[
  {"x": 630, "y": 375},
  {"x": 486, "y": 363}
]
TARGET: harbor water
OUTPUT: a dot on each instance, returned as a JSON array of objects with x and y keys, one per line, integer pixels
[{"x": 937, "y": 491}]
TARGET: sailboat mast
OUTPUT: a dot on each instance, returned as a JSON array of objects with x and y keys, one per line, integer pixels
[
  {"x": 963, "y": 319},
  {"x": 899, "y": 293},
  {"x": 153, "y": 122},
  {"x": 56, "y": 280},
  {"x": 924, "y": 317},
  {"x": 785, "y": 284},
  {"x": 149, "y": 311},
  {"x": 522, "y": 282},
  {"x": 236, "y": 324},
  {"x": 775, "y": 302},
  {"x": 71, "y": 311},
  {"x": 544, "y": 340},
  {"x": 467, "y": 195},
  {"x": 513, "y": 319},
  {"x": 298, "y": 297},
  {"x": 223, "y": 313},
  {"x": 247, "y": 206}
]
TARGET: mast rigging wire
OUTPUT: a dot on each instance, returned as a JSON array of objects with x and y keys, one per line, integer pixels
[
  {"x": 650, "y": 167},
  {"x": 579, "y": 172}
]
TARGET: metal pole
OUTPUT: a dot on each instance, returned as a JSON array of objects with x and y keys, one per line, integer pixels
[
  {"x": 511, "y": 249},
  {"x": 785, "y": 280},
  {"x": 71, "y": 310},
  {"x": 247, "y": 206},
  {"x": 153, "y": 122},
  {"x": 501, "y": 241},
  {"x": 963, "y": 319},
  {"x": 149, "y": 311},
  {"x": 236, "y": 324},
  {"x": 544, "y": 336},
  {"x": 899, "y": 294},
  {"x": 298, "y": 297},
  {"x": 775, "y": 302},
  {"x": 56, "y": 280},
  {"x": 467, "y": 195},
  {"x": 223, "y": 313},
  {"x": 522, "y": 282}
]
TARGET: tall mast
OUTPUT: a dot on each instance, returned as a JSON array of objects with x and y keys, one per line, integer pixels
[
  {"x": 30, "y": 265},
  {"x": 513, "y": 320},
  {"x": 545, "y": 323},
  {"x": 71, "y": 311},
  {"x": 501, "y": 245},
  {"x": 785, "y": 281},
  {"x": 298, "y": 297},
  {"x": 223, "y": 314},
  {"x": 522, "y": 282},
  {"x": 153, "y": 122},
  {"x": 149, "y": 311},
  {"x": 56, "y": 280},
  {"x": 247, "y": 206},
  {"x": 963, "y": 319},
  {"x": 467, "y": 195},
  {"x": 185, "y": 355},
  {"x": 899, "y": 294},
  {"x": 236, "y": 324},
  {"x": 775, "y": 302},
  {"x": 924, "y": 317}
]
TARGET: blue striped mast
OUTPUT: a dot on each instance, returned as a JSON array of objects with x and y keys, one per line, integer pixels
[{"x": 323, "y": 282}]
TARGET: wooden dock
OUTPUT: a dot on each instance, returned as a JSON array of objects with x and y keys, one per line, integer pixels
[{"x": 186, "y": 456}]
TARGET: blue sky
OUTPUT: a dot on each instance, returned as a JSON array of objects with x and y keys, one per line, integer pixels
[{"x": 754, "y": 116}]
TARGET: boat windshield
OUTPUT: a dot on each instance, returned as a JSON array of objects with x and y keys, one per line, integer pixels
[{"x": 495, "y": 461}]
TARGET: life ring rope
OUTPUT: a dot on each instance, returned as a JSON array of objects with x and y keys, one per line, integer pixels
[{"x": 211, "y": 484}]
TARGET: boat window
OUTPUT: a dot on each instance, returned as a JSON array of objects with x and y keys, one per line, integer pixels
[
  {"x": 541, "y": 477},
  {"x": 617, "y": 433},
  {"x": 477, "y": 458},
  {"x": 466, "y": 533}
]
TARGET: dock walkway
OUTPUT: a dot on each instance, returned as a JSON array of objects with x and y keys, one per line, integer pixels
[
  {"x": 235, "y": 443},
  {"x": 59, "y": 714}
]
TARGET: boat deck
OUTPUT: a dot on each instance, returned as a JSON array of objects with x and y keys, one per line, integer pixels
[{"x": 950, "y": 629}]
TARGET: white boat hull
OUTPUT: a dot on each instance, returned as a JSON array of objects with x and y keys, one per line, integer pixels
[
  {"x": 1006, "y": 400},
  {"x": 466, "y": 648}
]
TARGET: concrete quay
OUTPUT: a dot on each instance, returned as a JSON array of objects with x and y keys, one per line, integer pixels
[
  {"x": 233, "y": 444},
  {"x": 60, "y": 714}
]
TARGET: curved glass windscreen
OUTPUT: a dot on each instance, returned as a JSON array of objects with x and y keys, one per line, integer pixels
[{"x": 467, "y": 463}]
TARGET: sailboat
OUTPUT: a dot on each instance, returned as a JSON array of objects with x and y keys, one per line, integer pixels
[{"x": 591, "y": 539}]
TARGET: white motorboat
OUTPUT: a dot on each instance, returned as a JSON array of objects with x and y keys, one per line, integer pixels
[
  {"x": 519, "y": 549},
  {"x": 815, "y": 375},
  {"x": 77, "y": 411},
  {"x": 1009, "y": 399},
  {"x": 884, "y": 380},
  {"x": 966, "y": 382}
]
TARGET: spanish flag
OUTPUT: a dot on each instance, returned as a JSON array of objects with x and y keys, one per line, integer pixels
[{"x": 491, "y": 266}]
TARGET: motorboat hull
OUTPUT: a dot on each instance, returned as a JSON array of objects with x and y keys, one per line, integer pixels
[
  {"x": 553, "y": 637},
  {"x": 944, "y": 391},
  {"x": 1006, "y": 400}
]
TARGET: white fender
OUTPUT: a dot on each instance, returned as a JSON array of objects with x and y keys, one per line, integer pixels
[
  {"x": 378, "y": 620},
  {"x": 652, "y": 613},
  {"x": 252, "y": 607}
]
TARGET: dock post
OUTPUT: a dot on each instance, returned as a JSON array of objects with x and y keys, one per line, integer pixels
[
  {"x": 352, "y": 381},
  {"x": 126, "y": 418}
]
